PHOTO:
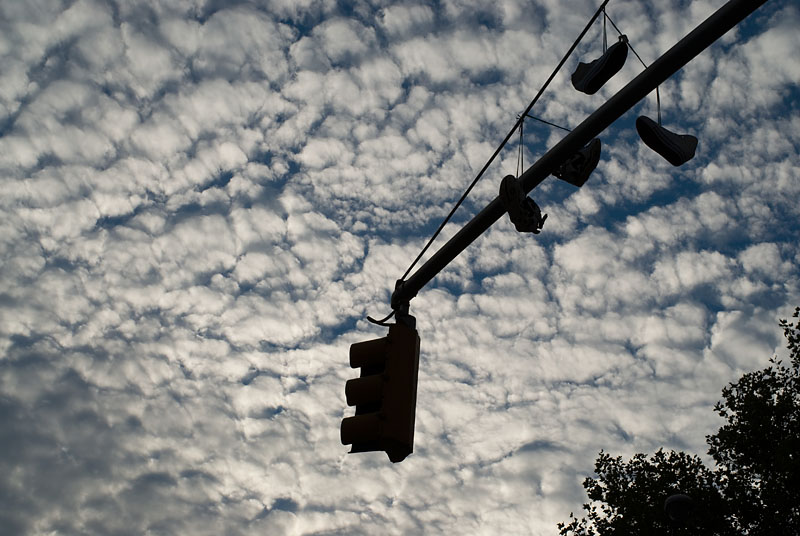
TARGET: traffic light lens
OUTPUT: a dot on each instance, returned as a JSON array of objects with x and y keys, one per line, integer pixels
[
  {"x": 366, "y": 390},
  {"x": 360, "y": 429}
]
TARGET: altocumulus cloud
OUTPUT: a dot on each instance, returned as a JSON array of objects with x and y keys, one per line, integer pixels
[{"x": 202, "y": 201}]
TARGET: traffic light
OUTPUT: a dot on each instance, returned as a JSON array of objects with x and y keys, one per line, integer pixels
[{"x": 385, "y": 395}]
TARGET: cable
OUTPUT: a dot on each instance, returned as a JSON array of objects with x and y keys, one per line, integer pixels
[
  {"x": 381, "y": 322},
  {"x": 629, "y": 43},
  {"x": 549, "y": 123},
  {"x": 508, "y": 136},
  {"x": 658, "y": 96}
]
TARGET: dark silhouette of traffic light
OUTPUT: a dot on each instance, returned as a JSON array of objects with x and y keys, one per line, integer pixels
[{"x": 385, "y": 395}]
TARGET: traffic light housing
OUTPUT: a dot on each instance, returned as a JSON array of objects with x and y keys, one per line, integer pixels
[{"x": 385, "y": 394}]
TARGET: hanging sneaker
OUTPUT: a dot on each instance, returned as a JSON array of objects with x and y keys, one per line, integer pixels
[
  {"x": 523, "y": 211},
  {"x": 677, "y": 149},
  {"x": 590, "y": 77},
  {"x": 536, "y": 213},
  {"x": 577, "y": 168}
]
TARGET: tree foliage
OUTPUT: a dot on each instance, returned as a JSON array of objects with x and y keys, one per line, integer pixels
[{"x": 754, "y": 488}]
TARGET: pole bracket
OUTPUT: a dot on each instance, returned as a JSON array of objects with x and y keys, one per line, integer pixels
[{"x": 401, "y": 308}]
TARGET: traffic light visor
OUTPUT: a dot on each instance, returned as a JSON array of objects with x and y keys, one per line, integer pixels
[{"x": 368, "y": 354}]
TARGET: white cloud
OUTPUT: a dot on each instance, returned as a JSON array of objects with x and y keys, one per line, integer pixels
[
  {"x": 401, "y": 20},
  {"x": 324, "y": 152},
  {"x": 344, "y": 39},
  {"x": 689, "y": 270}
]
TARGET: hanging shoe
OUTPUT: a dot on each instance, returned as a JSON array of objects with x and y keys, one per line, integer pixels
[
  {"x": 523, "y": 211},
  {"x": 577, "y": 168},
  {"x": 676, "y": 148},
  {"x": 536, "y": 213},
  {"x": 589, "y": 77}
]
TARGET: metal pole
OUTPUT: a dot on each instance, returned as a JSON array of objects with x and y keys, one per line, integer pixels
[{"x": 668, "y": 64}]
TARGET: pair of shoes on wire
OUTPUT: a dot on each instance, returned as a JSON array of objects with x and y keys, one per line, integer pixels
[
  {"x": 677, "y": 149},
  {"x": 590, "y": 77},
  {"x": 577, "y": 168},
  {"x": 523, "y": 211}
]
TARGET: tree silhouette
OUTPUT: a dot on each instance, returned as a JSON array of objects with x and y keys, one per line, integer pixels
[{"x": 754, "y": 488}]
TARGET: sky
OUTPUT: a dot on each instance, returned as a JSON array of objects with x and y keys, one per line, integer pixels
[{"x": 203, "y": 200}]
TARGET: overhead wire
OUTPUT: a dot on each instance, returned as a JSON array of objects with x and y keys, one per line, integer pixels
[
  {"x": 549, "y": 123},
  {"x": 658, "y": 96}
]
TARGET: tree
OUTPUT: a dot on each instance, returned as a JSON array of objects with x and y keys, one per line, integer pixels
[
  {"x": 754, "y": 488},
  {"x": 629, "y": 497},
  {"x": 757, "y": 451}
]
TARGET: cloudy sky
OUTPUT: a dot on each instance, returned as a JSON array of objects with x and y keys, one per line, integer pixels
[{"x": 202, "y": 201}]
